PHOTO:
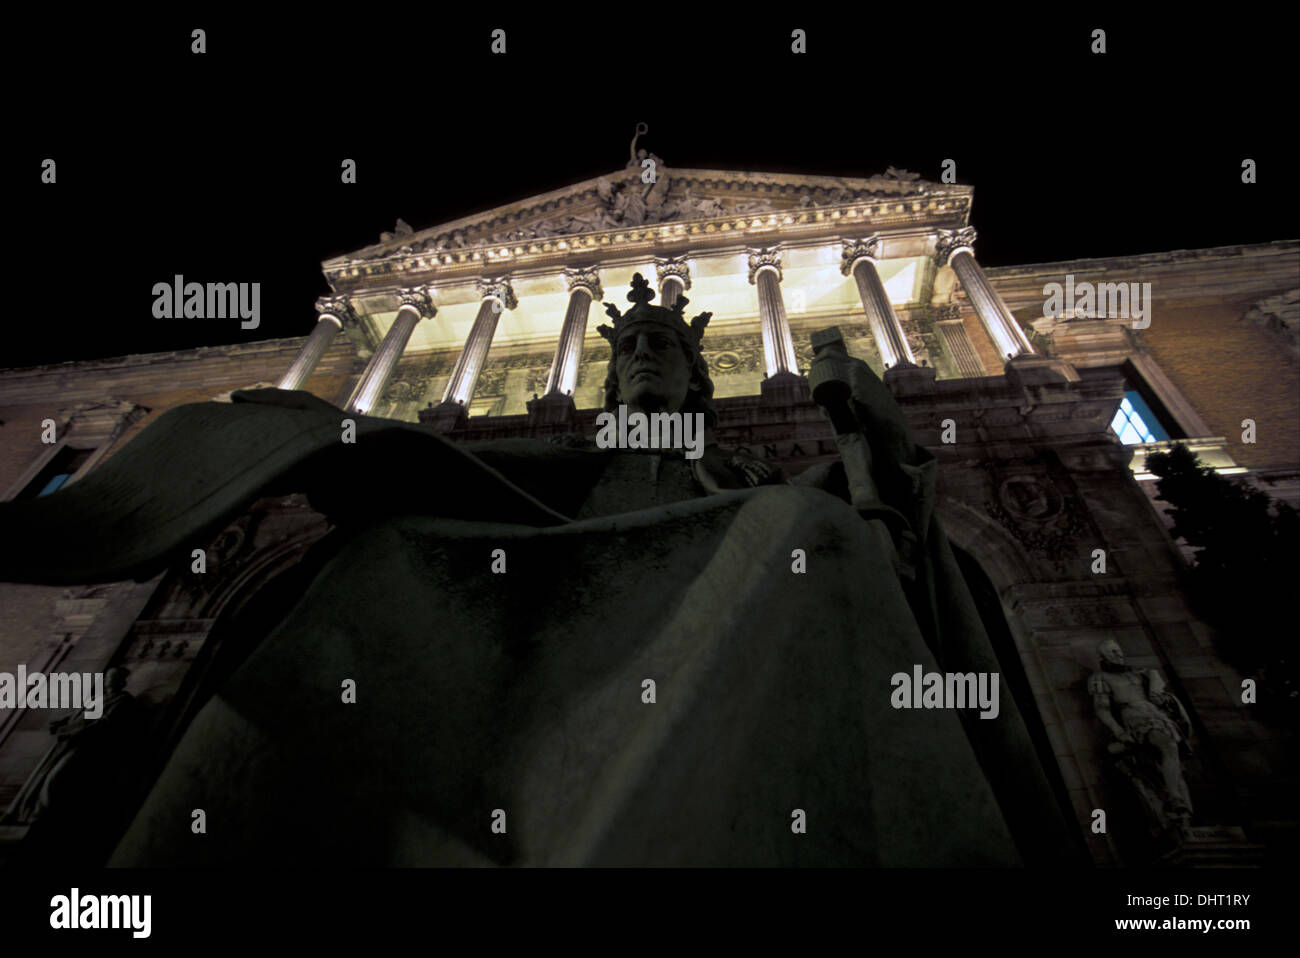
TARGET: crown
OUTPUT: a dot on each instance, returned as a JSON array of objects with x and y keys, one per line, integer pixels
[{"x": 642, "y": 312}]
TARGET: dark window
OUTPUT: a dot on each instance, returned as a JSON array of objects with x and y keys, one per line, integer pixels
[{"x": 57, "y": 471}]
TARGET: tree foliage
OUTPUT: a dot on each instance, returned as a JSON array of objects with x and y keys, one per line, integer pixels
[{"x": 1244, "y": 582}]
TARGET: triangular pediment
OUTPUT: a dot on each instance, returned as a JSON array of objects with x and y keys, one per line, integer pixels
[{"x": 623, "y": 200}]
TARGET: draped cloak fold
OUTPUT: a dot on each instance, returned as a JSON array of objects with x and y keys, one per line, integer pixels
[{"x": 521, "y": 698}]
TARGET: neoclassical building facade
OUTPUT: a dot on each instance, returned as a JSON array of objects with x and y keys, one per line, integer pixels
[{"x": 485, "y": 327}]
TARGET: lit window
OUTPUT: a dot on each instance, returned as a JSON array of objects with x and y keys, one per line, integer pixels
[
  {"x": 1134, "y": 422},
  {"x": 54, "y": 483},
  {"x": 65, "y": 464}
]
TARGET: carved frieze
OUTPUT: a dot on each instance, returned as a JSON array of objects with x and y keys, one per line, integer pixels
[{"x": 626, "y": 201}]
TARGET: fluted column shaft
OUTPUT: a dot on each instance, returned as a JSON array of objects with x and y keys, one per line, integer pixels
[
  {"x": 778, "y": 346},
  {"x": 374, "y": 380},
  {"x": 671, "y": 289},
  {"x": 881, "y": 317},
  {"x": 568, "y": 354},
  {"x": 304, "y": 364},
  {"x": 584, "y": 286},
  {"x": 460, "y": 388},
  {"x": 497, "y": 297},
  {"x": 1001, "y": 326}
]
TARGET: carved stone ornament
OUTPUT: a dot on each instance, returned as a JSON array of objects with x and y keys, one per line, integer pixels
[
  {"x": 419, "y": 299},
  {"x": 337, "y": 306},
  {"x": 676, "y": 267},
  {"x": 587, "y": 278},
  {"x": 856, "y": 249},
  {"x": 950, "y": 240},
  {"x": 759, "y": 258},
  {"x": 500, "y": 290},
  {"x": 623, "y": 200}
]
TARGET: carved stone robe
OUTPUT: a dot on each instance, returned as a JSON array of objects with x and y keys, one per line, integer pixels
[{"x": 521, "y": 698}]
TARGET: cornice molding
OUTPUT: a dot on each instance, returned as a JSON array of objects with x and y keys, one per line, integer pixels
[
  {"x": 668, "y": 239},
  {"x": 621, "y": 202}
]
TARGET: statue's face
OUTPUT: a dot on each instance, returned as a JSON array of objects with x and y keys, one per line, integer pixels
[
  {"x": 654, "y": 374},
  {"x": 1110, "y": 652}
]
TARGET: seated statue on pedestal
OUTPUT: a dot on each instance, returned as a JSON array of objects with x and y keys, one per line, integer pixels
[{"x": 563, "y": 654}]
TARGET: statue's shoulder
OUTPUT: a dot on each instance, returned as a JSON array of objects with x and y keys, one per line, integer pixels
[
  {"x": 523, "y": 447},
  {"x": 573, "y": 440},
  {"x": 1097, "y": 684}
]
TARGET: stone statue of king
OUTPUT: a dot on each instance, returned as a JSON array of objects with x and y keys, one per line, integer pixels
[{"x": 676, "y": 662}]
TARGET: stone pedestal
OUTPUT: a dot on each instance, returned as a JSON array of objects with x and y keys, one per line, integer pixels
[
  {"x": 785, "y": 388},
  {"x": 1030, "y": 369},
  {"x": 552, "y": 409},
  {"x": 908, "y": 379},
  {"x": 445, "y": 417},
  {"x": 1214, "y": 846}
]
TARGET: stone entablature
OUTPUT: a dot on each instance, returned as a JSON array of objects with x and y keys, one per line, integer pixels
[
  {"x": 1179, "y": 274},
  {"x": 221, "y": 367},
  {"x": 750, "y": 209},
  {"x": 699, "y": 237}
]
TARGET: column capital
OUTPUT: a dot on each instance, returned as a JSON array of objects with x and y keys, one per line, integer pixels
[
  {"x": 675, "y": 267},
  {"x": 856, "y": 249},
  {"x": 584, "y": 277},
  {"x": 338, "y": 308},
  {"x": 950, "y": 241},
  {"x": 418, "y": 299},
  {"x": 499, "y": 290},
  {"x": 765, "y": 258}
]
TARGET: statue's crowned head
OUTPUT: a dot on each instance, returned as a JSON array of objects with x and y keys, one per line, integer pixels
[{"x": 655, "y": 363}]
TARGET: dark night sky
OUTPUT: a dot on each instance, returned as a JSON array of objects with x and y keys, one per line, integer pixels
[{"x": 225, "y": 167}]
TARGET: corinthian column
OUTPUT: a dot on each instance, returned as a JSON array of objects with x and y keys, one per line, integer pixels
[
  {"x": 332, "y": 313},
  {"x": 497, "y": 296},
  {"x": 416, "y": 304},
  {"x": 584, "y": 286},
  {"x": 778, "y": 347},
  {"x": 859, "y": 260},
  {"x": 674, "y": 275},
  {"x": 956, "y": 249}
]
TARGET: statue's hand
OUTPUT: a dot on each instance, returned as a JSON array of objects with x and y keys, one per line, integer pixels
[{"x": 754, "y": 472}]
